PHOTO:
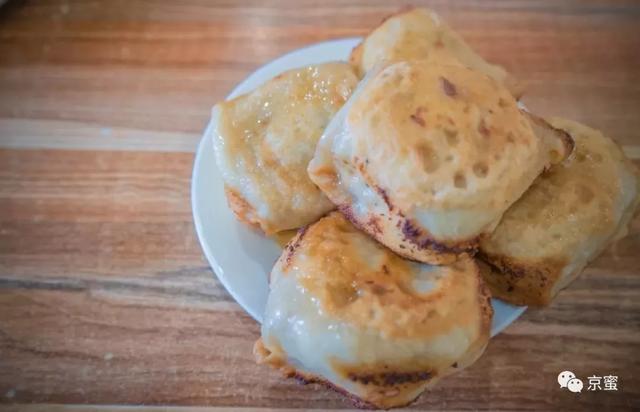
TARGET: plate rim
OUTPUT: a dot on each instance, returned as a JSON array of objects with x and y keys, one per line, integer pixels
[{"x": 516, "y": 311}]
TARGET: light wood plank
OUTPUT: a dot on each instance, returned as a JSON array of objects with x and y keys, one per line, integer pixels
[
  {"x": 67, "y": 135},
  {"x": 58, "y": 134}
]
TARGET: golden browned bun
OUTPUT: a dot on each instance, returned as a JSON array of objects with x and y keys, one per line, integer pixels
[
  {"x": 426, "y": 158},
  {"x": 346, "y": 311},
  {"x": 568, "y": 216},
  {"x": 241, "y": 208},
  {"x": 421, "y": 34},
  {"x": 265, "y": 139}
]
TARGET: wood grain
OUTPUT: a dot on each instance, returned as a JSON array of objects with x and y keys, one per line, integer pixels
[{"x": 105, "y": 297}]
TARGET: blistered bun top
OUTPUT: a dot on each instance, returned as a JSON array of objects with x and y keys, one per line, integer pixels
[{"x": 444, "y": 136}]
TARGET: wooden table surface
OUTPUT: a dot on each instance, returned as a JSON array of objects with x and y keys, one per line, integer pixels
[{"x": 105, "y": 297}]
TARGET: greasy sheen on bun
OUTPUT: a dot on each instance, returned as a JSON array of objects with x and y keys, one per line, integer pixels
[
  {"x": 426, "y": 157},
  {"x": 345, "y": 311},
  {"x": 265, "y": 139}
]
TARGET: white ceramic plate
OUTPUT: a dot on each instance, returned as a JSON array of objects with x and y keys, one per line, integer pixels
[{"x": 240, "y": 257}]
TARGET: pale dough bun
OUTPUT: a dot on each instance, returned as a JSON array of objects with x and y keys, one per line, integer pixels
[
  {"x": 265, "y": 139},
  {"x": 568, "y": 216},
  {"x": 418, "y": 34},
  {"x": 346, "y": 311},
  {"x": 426, "y": 157}
]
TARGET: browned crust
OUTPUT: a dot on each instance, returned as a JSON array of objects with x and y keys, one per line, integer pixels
[
  {"x": 260, "y": 353},
  {"x": 484, "y": 299},
  {"x": 242, "y": 209},
  {"x": 374, "y": 224},
  {"x": 414, "y": 243},
  {"x": 564, "y": 136},
  {"x": 357, "y": 402},
  {"x": 383, "y": 194},
  {"x": 567, "y": 140},
  {"x": 286, "y": 257},
  {"x": 440, "y": 253},
  {"x": 422, "y": 239},
  {"x": 519, "y": 283},
  {"x": 292, "y": 246},
  {"x": 391, "y": 378}
]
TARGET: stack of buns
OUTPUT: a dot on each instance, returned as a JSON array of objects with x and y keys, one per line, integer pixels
[{"x": 421, "y": 188}]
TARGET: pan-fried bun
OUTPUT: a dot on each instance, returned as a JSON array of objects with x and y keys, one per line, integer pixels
[
  {"x": 265, "y": 139},
  {"x": 426, "y": 158},
  {"x": 568, "y": 216},
  {"x": 421, "y": 34},
  {"x": 346, "y": 311}
]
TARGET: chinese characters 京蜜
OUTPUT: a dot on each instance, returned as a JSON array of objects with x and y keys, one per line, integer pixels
[{"x": 568, "y": 380}]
